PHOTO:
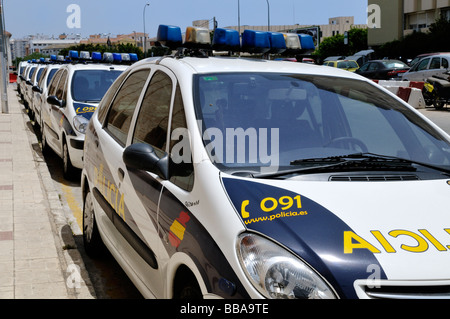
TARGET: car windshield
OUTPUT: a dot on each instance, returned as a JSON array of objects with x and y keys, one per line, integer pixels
[
  {"x": 91, "y": 85},
  {"x": 347, "y": 65},
  {"x": 395, "y": 64},
  {"x": 255, "y": 121}
]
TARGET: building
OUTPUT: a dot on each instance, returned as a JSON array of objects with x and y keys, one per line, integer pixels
[
  {"x": 135, "y": 38},
  {"x": 335, "y": 26},
  {"x": 391, "y": 20}
]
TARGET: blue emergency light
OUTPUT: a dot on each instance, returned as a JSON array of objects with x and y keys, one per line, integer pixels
[
  {"x": 277, "y": 43},
  {"x": 226, "y": 40},
  {"x": 133, "y": 57},
  {"x": 96, "y": 56},
  {"x": 73, "y": 55},
  {"x": 306, "y": 42},
  {"x": 53, "y": 57},
  {"x": 117, "y": 57},
  {"x": 170, "y": 36},
  {"x": 255, "y": 41}
]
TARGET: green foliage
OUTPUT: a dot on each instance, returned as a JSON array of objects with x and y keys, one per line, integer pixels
[
  {"x": 334, "y": 46},
  {"x": 436, "y": 40},
  {"x": 32, "y": 56}
]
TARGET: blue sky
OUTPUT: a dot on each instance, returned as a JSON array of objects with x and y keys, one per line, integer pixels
[{"x": 24, "y": 17}]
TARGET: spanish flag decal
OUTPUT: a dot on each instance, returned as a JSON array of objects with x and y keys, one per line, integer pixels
[{"x": 178, "y": 229}]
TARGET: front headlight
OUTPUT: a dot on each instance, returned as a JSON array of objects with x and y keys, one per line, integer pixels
[
  {"x": 80, "y": 123},
  {"x": 278, "y": 274}
]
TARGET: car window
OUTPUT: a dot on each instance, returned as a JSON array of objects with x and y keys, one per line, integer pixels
[
  {"x": 61, "y": 88},
  {"x": 445, "y": 63},
  {"x": 303, "y": 117},
  {"x": 91, "y": 85},
  {"x": 54, "y": 83},
  {"x": 41, "y": 80},
  {"x": 435, "y": 63},
  {"x": 423, "y": 65},
  {"x": 51, "y": 73},
  {"x": 364, "y": 67},
  {"x": 373, "y": 67},
  {"x": 153, "y": 118},
  {"x": 121, "y": 112},
  {"x": 182, "y": 169}
]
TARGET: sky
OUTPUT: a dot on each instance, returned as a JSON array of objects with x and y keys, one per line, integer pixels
[{"x": 50, "y": 17}]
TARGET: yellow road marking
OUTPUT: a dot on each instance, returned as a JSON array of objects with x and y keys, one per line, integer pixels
[{"x": 73, "y": 205}]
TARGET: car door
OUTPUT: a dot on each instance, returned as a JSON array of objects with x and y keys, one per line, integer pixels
[
  {"x": 134, "y": 218},
  {"x": 46, "y": 123},
  {"x": 421, "y": 72},
  {"x": 56, "y": 112}
]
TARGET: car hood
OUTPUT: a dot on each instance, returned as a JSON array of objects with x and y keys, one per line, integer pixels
[{"x": 351, "y": 231}]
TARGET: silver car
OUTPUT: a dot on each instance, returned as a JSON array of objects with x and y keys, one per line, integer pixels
[{"x": 427, "y": 67}]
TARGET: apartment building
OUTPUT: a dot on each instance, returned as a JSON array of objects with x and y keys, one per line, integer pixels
[{"x": 391, "y": 20}]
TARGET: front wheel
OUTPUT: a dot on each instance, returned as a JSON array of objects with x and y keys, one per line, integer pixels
[
  {"x": 92, "y": 240},
  {"x": 68, "y": 169}
]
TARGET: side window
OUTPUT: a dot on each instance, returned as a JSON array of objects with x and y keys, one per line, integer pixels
[
  {"x": 60, "y": 89},
  {"x": 109, "y": 95},
  {"x": 444, "y": 63},
  {"x": 54, "y": 83},
  {"x": 181, "y": 169},
  {"x": 373, "y": 67},
  {"x": 119, "y": 117},
  {"x": 153, "y": 118},
  {"x": 423, "y": 65},
  {"x": 41, "y": 80},
  {"x": 435, "y": 64}
]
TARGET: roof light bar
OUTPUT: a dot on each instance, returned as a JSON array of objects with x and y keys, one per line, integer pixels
[
  {"x": 197, "y": 38},
  {"x": 277, "y": 43},
  {"x": 255, "y": 41},
  {"x": 306, "y": 42},
  {"x": 170, "y": 36},
  {"x": 226, "y": 40}
]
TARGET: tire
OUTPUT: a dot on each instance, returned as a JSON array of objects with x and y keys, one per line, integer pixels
[
  {"x": 93, "y": 243},
  {"x": 68, "y": 169},
  {"x": 186, "y": 286},
  {"x": 44, "y": 146}
]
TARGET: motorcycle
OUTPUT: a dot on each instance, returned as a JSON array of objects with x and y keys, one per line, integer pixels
[{"x": 436, "y": 90}]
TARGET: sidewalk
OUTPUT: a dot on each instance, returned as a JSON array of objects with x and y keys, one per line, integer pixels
[{"x": 38, "y": 255}]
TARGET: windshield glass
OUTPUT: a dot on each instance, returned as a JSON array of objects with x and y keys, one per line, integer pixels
[
  {"x": 395, "y": 64},
  {"x": 347, "y": 65},
  {"x": 251, "y": 121},
  {"x": 91, "y": 85}
]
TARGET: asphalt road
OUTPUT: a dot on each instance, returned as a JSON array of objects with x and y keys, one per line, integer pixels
[{"x": 440, "y": 117}]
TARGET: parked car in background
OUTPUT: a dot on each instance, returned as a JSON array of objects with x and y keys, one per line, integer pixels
[
  {"x": 421, "y": 56},
  {"x": 427, "y": 67},
  {"x": 348, "y": 65},
  {"x": 383, "y": 69}
]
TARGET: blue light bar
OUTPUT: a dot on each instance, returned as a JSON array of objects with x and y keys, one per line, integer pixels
[
  {"x": 277, "y": 43},
  {"x": 117, "y": 57},
  {"x": 42, "y": 60},
  {"x": 307, "y": 42},
  {"x": 226, "y": 40},
  {"x": 96, "y": 56},
  {"x": 255, "y": 41},
  {"x": 73, "y": 54},
  {"x": 133, "y": 57},
  {"x": 53, "y": 57},
  {"x": 170, "y": 36},
  {"x": 85, "y": 55}
]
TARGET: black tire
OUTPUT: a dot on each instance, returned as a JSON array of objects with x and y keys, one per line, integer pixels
[
  {"x": 93, "y": 243},
  {"x": 69, "y": 170},
  {"x": 44, "y": 146}
]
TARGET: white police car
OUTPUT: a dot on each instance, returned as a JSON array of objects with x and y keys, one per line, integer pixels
[
  {"x": 246, "y": 178},
  {"x": 40, "y": 89},
  {"x": 72, "y": 97}
]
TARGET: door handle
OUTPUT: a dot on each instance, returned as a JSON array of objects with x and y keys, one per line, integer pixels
[{"x": 121, "y": 174}]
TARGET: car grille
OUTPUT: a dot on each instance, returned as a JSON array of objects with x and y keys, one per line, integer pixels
[
  {"x": 406, "y": 290},
  {"x": 374, "y": 178}
]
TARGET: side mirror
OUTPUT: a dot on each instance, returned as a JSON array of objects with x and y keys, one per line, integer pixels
[
  {"x": 143, "y": 157},
  {"x": 53, "y": 100},
  {"x": 36, "y": 89},
  {"x": 29, "y": 82}
]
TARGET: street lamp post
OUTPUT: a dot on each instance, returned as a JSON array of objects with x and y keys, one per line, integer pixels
[
  {"x": 145, "y": 38},
  {"x": 268, "y": 16}
]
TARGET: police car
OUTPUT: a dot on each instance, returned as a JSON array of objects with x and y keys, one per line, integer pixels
[
  {"x": 71, "y": 98},
  {"x": 40, "y": 89},
  {"x": 232, "y": 177},
  {"x": 20, "y": 71}
]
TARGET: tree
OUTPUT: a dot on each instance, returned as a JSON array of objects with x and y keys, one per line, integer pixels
[{"x": 334, "y": 46}]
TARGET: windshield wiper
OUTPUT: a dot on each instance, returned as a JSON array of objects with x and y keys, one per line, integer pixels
[{"x": 352, "y": 162}]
